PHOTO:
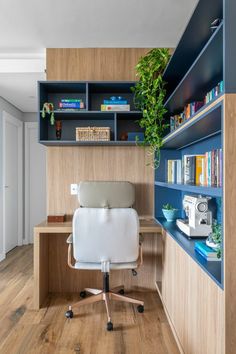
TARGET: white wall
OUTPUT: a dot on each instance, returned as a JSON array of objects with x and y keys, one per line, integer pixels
[
  {"x": 4, "y": 106},
  {"x": 30, "y": 117}
]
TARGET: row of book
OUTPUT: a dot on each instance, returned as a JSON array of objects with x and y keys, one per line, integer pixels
[
  {"x": 71, "y": 104},
  {"x": 115, "y": 104},
  {"x": 191, "y": 108},
  {"x": 208, "y": 253},
  {"x": 216, "y": 91},
  {"x": 203, "y": 170}
]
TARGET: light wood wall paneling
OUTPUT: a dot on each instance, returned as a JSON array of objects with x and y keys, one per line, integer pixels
[
  {"x": 66, "y": 165},
  {"x": 64, "y": 279},
  {"x": 195, "y": 304},
  {"x": 229, "y": 221},
  {"x": 41, "y": 267},
  {"x": 93, "y": 63}
]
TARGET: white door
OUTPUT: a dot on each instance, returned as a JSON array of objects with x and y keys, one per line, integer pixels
[
  {"x": 12, "y": 182},
  {"x": 35, "y": 180}
]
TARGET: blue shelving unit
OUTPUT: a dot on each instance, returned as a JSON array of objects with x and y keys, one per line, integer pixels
[
  {"x": 92, "y": 93},
  {"x": 196, "y": 66}
]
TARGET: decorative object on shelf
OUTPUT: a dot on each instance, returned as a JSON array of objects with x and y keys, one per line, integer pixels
[
  {"x": 149, "y": 94},
  {"x": 57, "y": 218},
  {"x": 214, "y": 240},
  {"x": 215, "y": 24},
  {"x": 124, "y": 136},
  {"x": 134, "y": 136},
  {"x": 48, "y": 108},
  {"x": 58, "y": 125},
  {"x": 169, "y": 212},
  {"x": 199, "y": 217},
  {"x": 93, "y": 134}
]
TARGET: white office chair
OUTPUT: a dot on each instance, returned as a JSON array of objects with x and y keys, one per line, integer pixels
[{"x": 105, "y": 237}]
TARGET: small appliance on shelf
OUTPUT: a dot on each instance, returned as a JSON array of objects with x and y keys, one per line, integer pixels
[{"x": 199, "y": 217}]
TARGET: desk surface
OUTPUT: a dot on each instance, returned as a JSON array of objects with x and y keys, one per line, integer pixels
[{"x": 146, "y": 226}]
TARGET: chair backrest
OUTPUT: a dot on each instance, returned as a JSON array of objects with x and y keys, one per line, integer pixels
[{"x": 108, "y": 233}]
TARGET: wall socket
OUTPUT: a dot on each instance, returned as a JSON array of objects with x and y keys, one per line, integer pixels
[{"x": 74, "y": 189}]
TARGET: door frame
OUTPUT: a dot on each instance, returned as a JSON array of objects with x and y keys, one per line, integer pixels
[
  {"x": 7, "y": 117},
  {"x": 28, "y": 126}
]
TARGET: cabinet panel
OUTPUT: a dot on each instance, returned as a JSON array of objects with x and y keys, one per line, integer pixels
[{"x": 195, "y": 304}]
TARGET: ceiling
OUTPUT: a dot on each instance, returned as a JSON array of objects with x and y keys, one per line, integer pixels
[{"x": 31, "y": 26}]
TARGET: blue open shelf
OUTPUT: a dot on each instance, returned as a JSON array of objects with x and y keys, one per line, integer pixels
[
  {"x": 211, "y": 191},
  {"x": 204, "y": 74},
  {"x": 194, "y": 38},
  {"x": 198, "y": 127},
  {"x": 212, "y": 268}
]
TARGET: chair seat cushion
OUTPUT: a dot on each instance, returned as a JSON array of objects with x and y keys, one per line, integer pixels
[{"x": 113, "y": 266}]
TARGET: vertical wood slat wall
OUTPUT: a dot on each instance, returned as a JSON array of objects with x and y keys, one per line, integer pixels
[{"x": 66, "y": 165}]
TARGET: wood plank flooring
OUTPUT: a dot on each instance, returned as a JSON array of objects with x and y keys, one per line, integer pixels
[{"x": 25, "y": 331}]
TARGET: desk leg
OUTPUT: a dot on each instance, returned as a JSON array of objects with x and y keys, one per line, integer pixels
[{"x": 40, "y": 269}]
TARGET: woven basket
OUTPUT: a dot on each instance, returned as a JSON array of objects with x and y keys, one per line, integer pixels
[{"x": 93, "y": 134}]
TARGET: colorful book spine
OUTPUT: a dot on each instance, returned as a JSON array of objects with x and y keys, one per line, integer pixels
[
  {"x": 199, "y": 169},
  {"x": 112, "y": 102},
  {"x": 75, "y": 105},
  {"x": 115, "y": 107},
  {"x": 71, "y": 100}
]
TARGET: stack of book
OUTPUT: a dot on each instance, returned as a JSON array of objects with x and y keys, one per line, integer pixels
[
  {"x": 71, "y": 104},
  {"x": 216, "y": 91},
  {"x": 202, "y": 170},
  {"x": 209, "y": 254},
  {"x": 174, "y": 171},
  {"x": 115, "y": 104}
]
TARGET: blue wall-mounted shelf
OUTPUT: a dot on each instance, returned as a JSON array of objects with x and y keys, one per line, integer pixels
[
  {"x": 203, "y": 75},
  {"x": 92, "y": 93},
  {"x": 198, "y": 127},
  {"x": 210, "y": 191},
  {"x": 214, "y": 268}
]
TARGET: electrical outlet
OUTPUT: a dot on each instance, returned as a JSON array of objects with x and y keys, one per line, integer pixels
[{"x": 74, "y": 189}]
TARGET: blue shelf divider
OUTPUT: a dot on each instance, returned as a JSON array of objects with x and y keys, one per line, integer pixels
[{"x": 211, "y": 191}]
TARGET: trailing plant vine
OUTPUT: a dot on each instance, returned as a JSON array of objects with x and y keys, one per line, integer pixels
[{"x": 149, "y": 94}]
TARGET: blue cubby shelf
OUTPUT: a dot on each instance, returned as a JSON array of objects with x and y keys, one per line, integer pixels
[
  {"x": 213, "y": 268},
  {"x": 206, "y": 123},
  {"x": 93, "y": 94},
  {"x": 211, "y": 191}
]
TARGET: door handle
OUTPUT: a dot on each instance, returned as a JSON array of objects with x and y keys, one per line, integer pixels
[{"x": 6, "y": 186}]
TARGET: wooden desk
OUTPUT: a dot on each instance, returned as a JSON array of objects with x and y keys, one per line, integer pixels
[{"x": 51, "y": 273}]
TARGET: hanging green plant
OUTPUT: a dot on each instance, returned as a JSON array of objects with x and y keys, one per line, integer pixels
[
  {"x": 48, "y": 108},
  {"x": 149, "y": 94}
]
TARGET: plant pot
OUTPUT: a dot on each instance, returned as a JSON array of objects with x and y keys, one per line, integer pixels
[{"x": 170, "y": 215}]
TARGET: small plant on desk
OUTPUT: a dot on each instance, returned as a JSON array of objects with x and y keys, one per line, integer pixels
[{"x": 170, "y": 213}]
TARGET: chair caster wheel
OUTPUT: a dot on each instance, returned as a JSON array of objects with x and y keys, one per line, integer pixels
[
  {"x": 121, "y": 291},
  {"x": 69, "y": 314},
  {"x": 109, "y": 326},
  {"x": 82, "y": 294},
  {"x": 140, "y": 308}
]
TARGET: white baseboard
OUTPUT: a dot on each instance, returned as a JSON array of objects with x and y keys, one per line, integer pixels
[{"x": 2, "y": 256}]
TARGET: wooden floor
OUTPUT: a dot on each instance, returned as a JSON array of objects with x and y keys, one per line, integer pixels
[{"x": 24, "y": 330}]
